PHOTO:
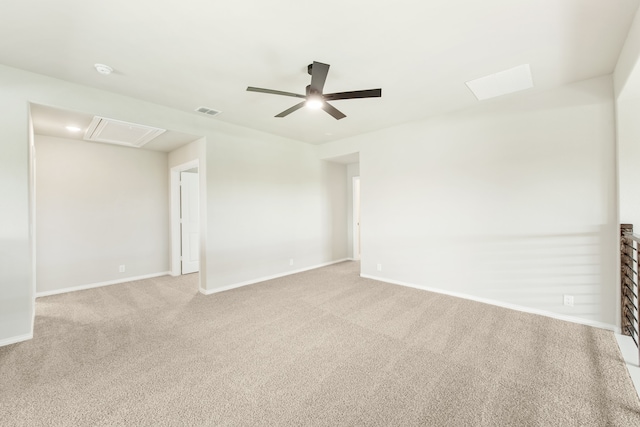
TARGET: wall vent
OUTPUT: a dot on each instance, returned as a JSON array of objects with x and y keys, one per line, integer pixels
[
  {"x": 118, "y": 132},
  {"x": 208, "y": 111}
]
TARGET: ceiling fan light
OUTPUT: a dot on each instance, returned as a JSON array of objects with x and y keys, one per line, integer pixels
[{"x": 314, "y": 102}]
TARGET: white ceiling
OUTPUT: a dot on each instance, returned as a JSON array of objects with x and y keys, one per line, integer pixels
[
  {"x": 53, "y": 121},
  {"x": 196, "y": 53}
]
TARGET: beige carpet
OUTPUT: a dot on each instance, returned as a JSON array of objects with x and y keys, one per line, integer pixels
[{"x": 324, "y": 347}]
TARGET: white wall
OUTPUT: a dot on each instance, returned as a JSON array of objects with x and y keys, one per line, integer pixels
[
  {"x": 99, "y": 206},
  {"x": 512, "y": 201},
  {"x": 626, "y": 79},
  {"x": 16, "y": 275},
  {"x": 627, "y": 85},
  {"x": 195, "y": 150},
  {"x": 626, "y": 76},
  {"x": 629, "y": 161},
  {"x": 273, "y": 201},
  {"x": 268, "y": 198}
]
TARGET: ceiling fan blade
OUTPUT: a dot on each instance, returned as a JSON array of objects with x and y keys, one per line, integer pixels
[
  {"x": 319, "y": 73},
  {"x": 337, "y": 114},
  {"x": 291, "y": 110},
  {"x": 369, "y": 93},
  {"x": 274, "y": 92}
]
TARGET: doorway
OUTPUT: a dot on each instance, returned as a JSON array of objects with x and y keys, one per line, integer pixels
[
  {"x": 185, "y": 218},
  {"x": 189, "y": 221},
  {"x": 356, "y": 217}
]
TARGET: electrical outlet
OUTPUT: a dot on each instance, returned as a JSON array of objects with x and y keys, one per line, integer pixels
[
  {"x": 568, "y": 300},
  {"x": 290, "y": 261},
  {"x": 121, "y": 268},
  {"x": 379, "y": 267}
]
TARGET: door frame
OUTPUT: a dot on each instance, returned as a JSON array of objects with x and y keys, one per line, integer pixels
[{"x": 174, "y": 214}]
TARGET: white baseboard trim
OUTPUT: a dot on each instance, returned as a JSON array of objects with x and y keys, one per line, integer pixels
[
  {"x": 263, "y": 279},
  {"x": 502, "y": 304},
  {"x": 16, "y": 339},
  {"x": 99, "y": 284}
]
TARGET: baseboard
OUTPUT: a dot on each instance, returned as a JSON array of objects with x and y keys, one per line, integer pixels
[
  {"x": 263, "y": 279},
  {"x": 100, "y": 284},
  {"x": 502, "y": 304},
  {"x": 16, "y": 339}
]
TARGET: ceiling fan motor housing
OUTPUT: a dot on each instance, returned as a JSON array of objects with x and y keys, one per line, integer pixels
[{"x": 315, "y": 96}]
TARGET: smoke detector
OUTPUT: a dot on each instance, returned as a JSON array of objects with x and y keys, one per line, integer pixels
[{"x": 103, "y": 69}]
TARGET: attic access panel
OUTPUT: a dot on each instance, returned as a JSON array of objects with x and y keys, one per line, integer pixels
[{"x": 117, "y": 132}]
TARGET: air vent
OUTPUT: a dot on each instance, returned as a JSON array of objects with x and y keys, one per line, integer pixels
[
  {"x": 118, "y": 132},
  {"x": 208, "y": 111}
]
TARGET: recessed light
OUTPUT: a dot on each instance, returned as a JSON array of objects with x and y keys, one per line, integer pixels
[
  {"x": 103, "y": 69},
  {"x": 504, "y": 82},
  {"x": 73, "y": 128}
]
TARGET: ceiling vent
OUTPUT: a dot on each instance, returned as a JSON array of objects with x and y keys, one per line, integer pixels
[
  {"x": 118, "y": 132},
  {"x": 208, "y": 111}
]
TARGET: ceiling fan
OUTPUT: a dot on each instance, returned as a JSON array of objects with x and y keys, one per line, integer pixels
[{"x": 314, "y": 97}]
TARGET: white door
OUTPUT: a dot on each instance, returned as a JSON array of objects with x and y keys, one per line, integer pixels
[
  {"x": 189, "y": 222},
  {"x": 356, "y": 217}
]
